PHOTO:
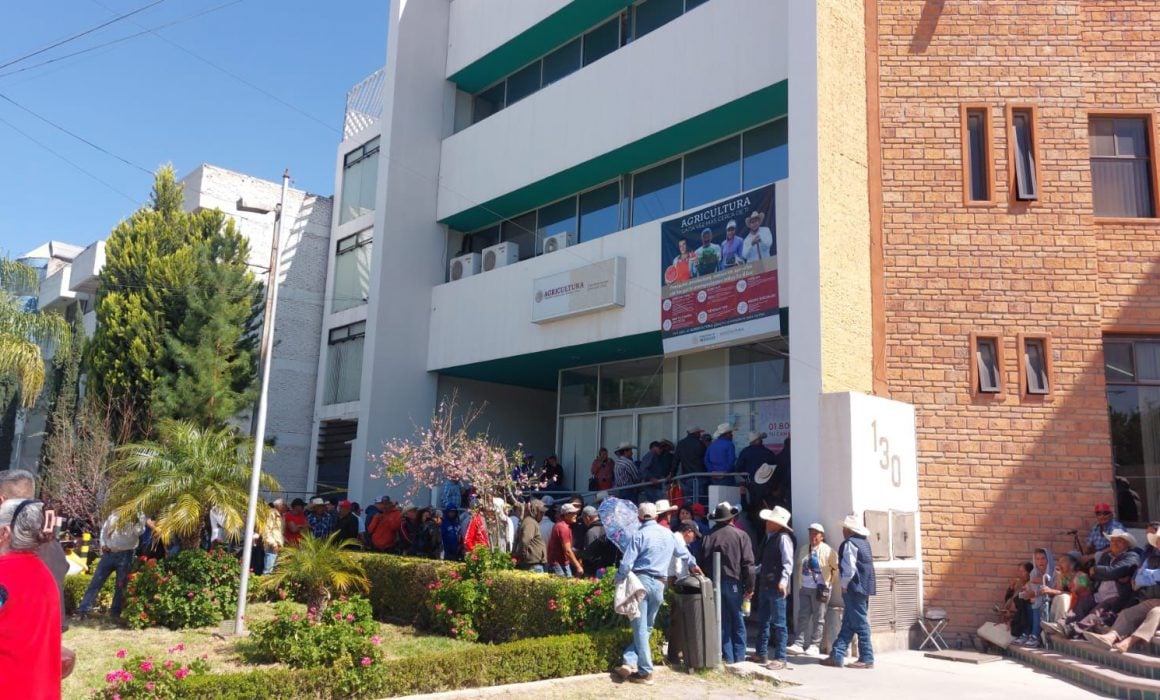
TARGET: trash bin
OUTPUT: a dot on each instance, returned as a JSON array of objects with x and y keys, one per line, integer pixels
[{"x": 693, "y": 634}]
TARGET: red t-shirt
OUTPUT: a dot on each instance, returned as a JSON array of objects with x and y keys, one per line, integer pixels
[
  {"x": 561, "y": 533},
  {"x": 29, "y": 629},
  {"x": 298, "y": 519}
]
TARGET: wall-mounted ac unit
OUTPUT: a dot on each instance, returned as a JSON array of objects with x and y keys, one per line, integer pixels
[
  {"x": 500, "y": 254},
  {"x": 558, "y": 241},
  {"x": 465, "y": 266}
]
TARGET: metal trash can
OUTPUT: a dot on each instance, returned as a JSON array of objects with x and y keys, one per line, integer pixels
[{"x": 693, "y": 634}]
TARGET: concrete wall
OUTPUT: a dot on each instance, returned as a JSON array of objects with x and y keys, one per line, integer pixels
[
  {"x": 511, "y": 415},
  {"x": 653, "y": 83},
  {"x": 479, "y": 26}
]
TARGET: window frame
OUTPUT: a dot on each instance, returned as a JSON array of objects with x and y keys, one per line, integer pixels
[
  {"x": 1150, "y": 125},
  {"x": 965, "y": 112},
  {"x": 1013, "y": 154},
  {"x": 1044, "y": 339},
  {"x": 1000, "y": 368}
]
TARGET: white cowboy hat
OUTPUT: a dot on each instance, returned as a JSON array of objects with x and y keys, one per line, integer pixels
[
  {"x": 756, "y": 215},
  {"x": 722, "y": 429},
  {"x": 317, "y": 502},
  {"x": 855, "y": 526},
  {"x": 763, "y": 474},
  {"x": 625, "y": 446},
  {"x": 663, "y": 506},
  {"x": 1122, "y": 535},
  {"x": 693, "y": 429},
  {"x": 754, "y": 435},
  {"x": 777, "y": 515}
]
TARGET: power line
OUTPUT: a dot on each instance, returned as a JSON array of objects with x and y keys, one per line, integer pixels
[
  {"x": 119, "y": 40},
  {"x": 73, "y": 37},
  {"x": 78, "y": 137},
  {"x": 17, "y": 129}
]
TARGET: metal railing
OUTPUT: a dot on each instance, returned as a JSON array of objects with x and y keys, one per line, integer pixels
[
  {"x": 589, "y": 495},
  {"x": 364, "y": 104}
]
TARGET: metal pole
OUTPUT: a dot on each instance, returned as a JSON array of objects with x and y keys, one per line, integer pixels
[
  {"x": 717, "y": 591},
  {"x": 265, "y": 358}
]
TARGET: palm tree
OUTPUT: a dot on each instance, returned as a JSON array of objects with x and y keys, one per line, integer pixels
[
  {"x": 22, "y": 333},
  {"x": 184, "y": 474},
  {"x": 318, "y": 568}
]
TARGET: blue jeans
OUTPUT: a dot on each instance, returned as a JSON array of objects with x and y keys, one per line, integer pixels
[
  {"x": 271, "y": 558},
  {"x": 537, "y": 569},
  {"x": 638, "y": 653},
  {"x": 651, "y": 494},
  {"x": 732, "y": 621},
  {"x": 558, "y": 570},
  {"x": 113, "y": 562},
  {"x": 855, "y": 620},
  {"x": 771, "y": 613}
]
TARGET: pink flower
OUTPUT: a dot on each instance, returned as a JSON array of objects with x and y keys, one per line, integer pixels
[
  {"x": 168, "y": 664},
  {"x": 376, "y": 640},
  {"x": 596, "y": 592},
  {"x": 112, "y": 677},
  {"x": 551, "y": 604},
  {"x": 147, "y": 666},
  {"x": 181, "y": 673},
  {"x": 350, "y": 618},
  {"x": 294, "y": 617},
  {"x": 120, "y": 653},
  {"x": 149, "y": 686},
  {"x": 116, "y": 697},
  {"x": 366, "y": 661}
]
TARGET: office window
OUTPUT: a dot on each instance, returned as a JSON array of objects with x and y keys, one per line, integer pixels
[
  {"x": 600, "y": 211},
  {"x": 690, "y": 4},
  {"x": 522, "y": 231},
  {"x": 561, "y": 62},
  {"x": 1133, "y": 391},
  {"x": 523, "y": 83},
  {"x": 656, "y": 192},
  {"x": 1121, "y": 163},
  {"x": 1035, "y": 368},
  {"x": 1021, "y": 146},
  {"x": 352, "y": 271},
  {"x": 344, "y": 353},
  {"x": 764, "y": 155},
  {"x": 986, "y": 365},
  {"x": 712, "y": 172},
  {"x": 476, "y": 242},
  {"x": 977, "y": 168},
  {"x": 651, "y": 14},
  {"x": 360, "y": 173},
  {"x": 559, "y": 217},
  {"x": 602, "y": 41},
  {"x": 488, "y": 102}
]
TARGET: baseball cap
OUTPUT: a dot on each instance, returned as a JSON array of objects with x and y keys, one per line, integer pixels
[
  {"x": 647, "y": 511},
  {"x": 568, "y": 509},
  {"x": 1103, "y": 508},
  {"x": 344, "y": 504}
]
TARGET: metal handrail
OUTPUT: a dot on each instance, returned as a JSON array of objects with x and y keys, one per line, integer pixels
[{"x": 589, "y": 494}]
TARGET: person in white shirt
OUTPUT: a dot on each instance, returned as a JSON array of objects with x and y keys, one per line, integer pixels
[
  {"x": 117, "y": 546},
  {"x": 817, "y": 568},
  {"x": 758, "y": 239}
]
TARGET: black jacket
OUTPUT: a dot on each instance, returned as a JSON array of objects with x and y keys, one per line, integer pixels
[
  {"x": 1120, "y": 569},
  {"x": 690, "y": 455}
]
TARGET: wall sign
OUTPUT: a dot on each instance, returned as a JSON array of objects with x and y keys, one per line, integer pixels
[{"x": 581, "y": 290}]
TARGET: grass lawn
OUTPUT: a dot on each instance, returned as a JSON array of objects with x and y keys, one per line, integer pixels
[{"x": 96, "y": 642}]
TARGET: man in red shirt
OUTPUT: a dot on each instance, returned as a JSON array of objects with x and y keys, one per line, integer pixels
[
  {"x": 30, "y": 653},
  {"x": 295, "y": 520},
  {"x": 562, "y": 559}
]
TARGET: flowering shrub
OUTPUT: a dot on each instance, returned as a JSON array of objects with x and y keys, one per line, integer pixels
[
  {"x": 193, "y": 589},
  {"x": 587, "y": 605},
  {"x": 342, "y": 636},
  {"x": 483, "y": 560},
  {"x": 458, "y": 601},
  {"x": 145, "y": 677}
]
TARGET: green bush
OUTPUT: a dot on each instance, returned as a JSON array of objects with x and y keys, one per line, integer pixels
[
  {"x": 193, "y": 589},
  {"x": 342, "y": 634},
  {"x": 75, "y": 587},
  {"x": 480, "y": 666},
  {"x": 400, "y": 586},
  {"x": 146, "y": 677}
]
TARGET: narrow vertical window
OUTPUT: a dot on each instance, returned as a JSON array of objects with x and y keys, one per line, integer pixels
[
  {"x": 1035, "y": 370},
  {"x": 1022, "y": 144},
  {"x": 976, "y": 154},
  {"x": 986, "y": 365}
]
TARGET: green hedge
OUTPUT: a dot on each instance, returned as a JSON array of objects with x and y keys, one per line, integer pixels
[
  {"x": 480, "y": 666},
  {"x": 399, "y": 586},
  {"x": 75, "y": 587}
]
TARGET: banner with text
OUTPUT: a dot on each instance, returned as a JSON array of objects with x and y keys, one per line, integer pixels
[{"x": 720, "y": 274}]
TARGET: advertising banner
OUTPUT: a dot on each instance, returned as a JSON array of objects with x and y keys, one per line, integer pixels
[
  {"x": 773, "y": 420},
  {"x": 578, "y": 291},
  {"x": 719, "y": 267}
]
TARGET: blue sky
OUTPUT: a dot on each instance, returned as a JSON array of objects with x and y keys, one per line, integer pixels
[{"x": 151, "y": 103}]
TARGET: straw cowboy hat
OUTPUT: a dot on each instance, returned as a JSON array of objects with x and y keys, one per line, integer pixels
[
  {"x": 315, "y": 502},
  {"x": 777, "y": 515},
  {"x": 763, "y": 474},
  {"x": 759, "y": 215},
  {"x": 855, "y": 526},
  {"x": 754, "y": 435},
  {"x": 722, "y": 429},
  {"x": 724, "y": 512},
  {"x": 663, "y": 506},
  {"x": 624, "y": 446},
  {"x": 1122, "y": 535}
]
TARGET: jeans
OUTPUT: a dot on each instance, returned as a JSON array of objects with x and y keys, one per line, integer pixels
[
  {"x": 113, "y": 562},
  {"x": 537, "y": 569},
  {"x": 638, "y": 653},
  {"x": 770, "y": 613},
  {"x": 651, "y": 494},
  {"x": 1037, "y": 612},
  {"x": 271, "y": 557},
  {"x": 558, "y": 570},
  {"x": 855, "y": 620},
  {"x": 811, "y": 619},
  {"x": 732, "y": 621}
]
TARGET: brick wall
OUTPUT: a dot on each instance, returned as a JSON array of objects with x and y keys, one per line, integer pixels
[{"x": 1000, "y": 476}]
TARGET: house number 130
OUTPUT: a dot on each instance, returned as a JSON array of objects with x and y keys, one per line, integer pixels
[{"x": 890, "y": 462}]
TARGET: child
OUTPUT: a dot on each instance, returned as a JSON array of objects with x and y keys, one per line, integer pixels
[
  {"x": 1015, "y": 608},
  {"x": 1041, "y": 577}
]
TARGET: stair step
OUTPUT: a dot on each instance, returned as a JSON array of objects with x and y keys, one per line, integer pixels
[
  {"x": 1140, "y": 665},
  {"x": 1105, "y": 680}
]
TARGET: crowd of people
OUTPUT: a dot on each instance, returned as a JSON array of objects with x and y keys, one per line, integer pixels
[{"x": 1106, "y": 590}]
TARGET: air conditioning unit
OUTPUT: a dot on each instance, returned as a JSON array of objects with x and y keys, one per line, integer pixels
[
  {"x": 558, "y": 241},
  {"x": 500, "y": 254},
  {"x": 465, "y": 266}
]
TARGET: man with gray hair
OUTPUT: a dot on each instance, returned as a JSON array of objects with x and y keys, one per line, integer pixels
[
  {"x": 19, "y": 484},
  {"x": 31, "y": 662},
  {"x": 118, "y": 542}
]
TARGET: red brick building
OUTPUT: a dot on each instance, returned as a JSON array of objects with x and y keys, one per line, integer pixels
[{"x": 1017, "y": 215}]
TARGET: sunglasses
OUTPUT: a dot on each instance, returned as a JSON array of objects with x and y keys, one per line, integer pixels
[{"x": 1103, "y": 512}]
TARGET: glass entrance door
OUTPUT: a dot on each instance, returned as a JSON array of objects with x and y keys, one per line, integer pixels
[
  {"x": 577, "y": 449},
  {"x": 615, "y": 430}
]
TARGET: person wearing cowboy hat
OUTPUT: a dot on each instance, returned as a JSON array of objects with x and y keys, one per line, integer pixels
[
  {"x": 856, "y": 574},
  {"x": 1138, "y": 623},
  {"x": 625, "y": 472},
  {"x": 321, "y": 520},
  {"x": 818, "y": 571},
  {"x": 1112, "y": 576},
  {"x": 775, "y": 562},
  {"x": 722, "y": 454},
  {"x": 751, "y": 458},
  {"x": 690, "y": 459},
  {"x": 758, "y": 243},
  {"x": 679, "y": 568},
  {"x": 737, "y": 577}
]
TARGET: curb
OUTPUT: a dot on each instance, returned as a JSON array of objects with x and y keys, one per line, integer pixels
[{"x": 530, "y": 687}]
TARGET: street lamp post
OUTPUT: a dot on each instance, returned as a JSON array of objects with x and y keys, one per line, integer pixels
[{"x": 265, "y": 357}]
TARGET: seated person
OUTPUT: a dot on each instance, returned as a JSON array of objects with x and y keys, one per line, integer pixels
[
  {"x": 1112, "y": 576},
  {"x": 1072, "y": 587},
  {"x": 1137, "y": 623},
  {"x": 1098, "y": 536},
  {"x": 1015, "y": 609},
  {"x": 1042, "y": 576}
]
